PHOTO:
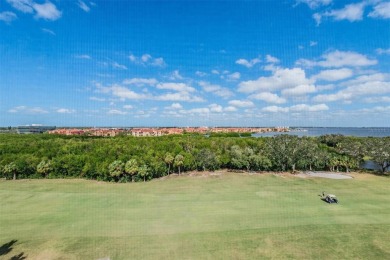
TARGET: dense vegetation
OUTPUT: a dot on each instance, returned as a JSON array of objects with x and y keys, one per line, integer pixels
[{"x": 126, "y": 159}]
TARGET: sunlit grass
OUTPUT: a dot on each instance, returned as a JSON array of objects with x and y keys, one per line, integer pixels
[{"x": 217, "y": 217}]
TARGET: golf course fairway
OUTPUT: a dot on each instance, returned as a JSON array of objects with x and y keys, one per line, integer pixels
[{"x": 219, "y": 216}]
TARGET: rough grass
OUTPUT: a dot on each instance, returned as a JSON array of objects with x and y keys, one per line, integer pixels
[{"x": 228, "y": 216}]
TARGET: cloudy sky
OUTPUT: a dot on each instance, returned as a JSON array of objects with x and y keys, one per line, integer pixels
[{"x": 195, "y": 63}]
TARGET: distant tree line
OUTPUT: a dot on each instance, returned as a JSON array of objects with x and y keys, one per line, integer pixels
[{"x": 130, "y": 159}]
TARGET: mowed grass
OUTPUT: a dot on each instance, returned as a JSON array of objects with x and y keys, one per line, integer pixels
[{"x": 229, "y": 216}]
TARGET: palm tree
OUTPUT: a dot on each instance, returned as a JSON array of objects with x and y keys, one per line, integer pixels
[
  {"x": 168, "y": 160},
  {"x": 131, "y": 167},
  {"x": 179, "y": 161},
  {"x": 143, "y": 171}
]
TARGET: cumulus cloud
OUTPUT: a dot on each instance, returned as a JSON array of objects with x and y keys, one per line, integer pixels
[
  {"x": 180, "y": 87},
  {"x": 47, "y": 10},
  {"x": 268, "y": 97},
  {"x": 365, "y": 85},
  {"x": 216, "y": 89},
  {"x": 248, "y": 63},
  {"x": 234, "y": 76},
  {"x": 174, "y": 106},
  {"x": 180, "y": 96},
  {"x": 200, "y": 73},
  {"x": 83, "y": 56},
  {"x": 280, "y": 79},
  {"x": 337, "y": 59},
  {"x": 299, "y": 90},
  {"x": 241, "y": 103},
  {"x": 381, "y": 10},
  {"x": 147, "y": 60},
  {"x": 128, "y": 107},
  {"x": 271, "y": 59},
  {"x": 8, "y": 17},
  {"x": 116, "y": 65},
  {"x": 334, "y": 75},
  {"x": 141, "y": 82},
  {"x": 28, "y": 110},
  {"x": 377, "y": 99}
]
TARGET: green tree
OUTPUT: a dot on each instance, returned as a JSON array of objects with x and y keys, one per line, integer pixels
[
  {"x": 131, "y": 168},
  {"x": 11, "y": 169},
  {"x": 44, "y": 167},
  {"x": 116, "y": 169},
  {"x": 143, "y": 171},
  {"x": 206, "y": 159},
  {"x": 179, "y": 160},
  {"x": 168, "y": 159}
]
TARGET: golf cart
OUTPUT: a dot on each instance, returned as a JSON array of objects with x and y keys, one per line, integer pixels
[{"x": 330, "y": 198}]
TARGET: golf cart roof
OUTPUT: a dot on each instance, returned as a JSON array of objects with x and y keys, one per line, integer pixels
[{"x": 331, "y": 195}]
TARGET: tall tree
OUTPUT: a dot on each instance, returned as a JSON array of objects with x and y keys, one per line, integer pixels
[
  {"x": 44, "y": 167},
  {"x": 168, "y": 159},
  {"x": 11, "y": 169},
  {"x": 131, "y": 168},
  {"x": 116, "y": 169},
  {"x": 179, "y": 160},
  {"x": 143, "y": 171}
]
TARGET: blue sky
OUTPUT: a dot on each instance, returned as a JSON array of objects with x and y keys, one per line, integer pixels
[{"x": 195, "y": 63}]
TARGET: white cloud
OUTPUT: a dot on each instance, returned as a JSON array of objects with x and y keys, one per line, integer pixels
[
  {"x": 116, "y": 65},
  {"x": 351, "y": 12},
  {"x": 381, "y": 10},
  {"x": 8, "y": 17},
  {"x": 313, "y": 4},
  {"x": 174, "y": 106},
  {"x": 230, "y": 109},
  {"x": 361, "y": 86},
  {"x": 116, "y": 112},
  {"x": 47, "y": 11},
  {"x": 383, "y": 51},
  {"x": 271, "y": 59},
  {"x": 378, "y": 109},
  {"x": 308, "y": 108},
  {"x": 28, "y": 110},
  {"x": 147, "y": 60},
  {"x": 234, "y": 76},
  {"x": 216, "y": 89},
  {"x": 281, "y": 78},
  {"x": 141, "y": 82},
  {"x": 318, "y": 18},
  {"x": 339, "y": 59},
  {"x": 24, "y": 6},
  {"x": 48, "y": 31},
  {"x": 299, "y": 90},
  {"x": 296, "y": 108},
  {"x": 65, "y": 111},
  {"x": 313, "y": 43},
  {"x": 175, "y": 75},
  {"x": 83, "y": 56},
  {"x": 128, "y": 107},
  {"x": 216, "y": 72},
  {"x": 377, "y": 100},
  {"x": 122, "y": 92},
  {"x": 83, "y": 6},
  {"x": 248, "y": 63},
  {"x": 180, "y": 96},
  {"x": 181, "y": 87},
  {"x": 334, "y": 75},
  {"x": 216, "y": 108},
  {"x": 275, "y": 109},
  {"x": 241, "y": 103},
  {"x": 268, "y": 97},
  {"x": 200, "y": 73},
  {"x": 97, "y": 99}
]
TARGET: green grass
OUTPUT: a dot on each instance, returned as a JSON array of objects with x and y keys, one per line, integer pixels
[{"x": 232, "y": 216}]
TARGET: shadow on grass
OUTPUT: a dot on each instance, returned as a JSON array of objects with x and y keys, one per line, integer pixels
[{"x": 7, "y": 248}]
